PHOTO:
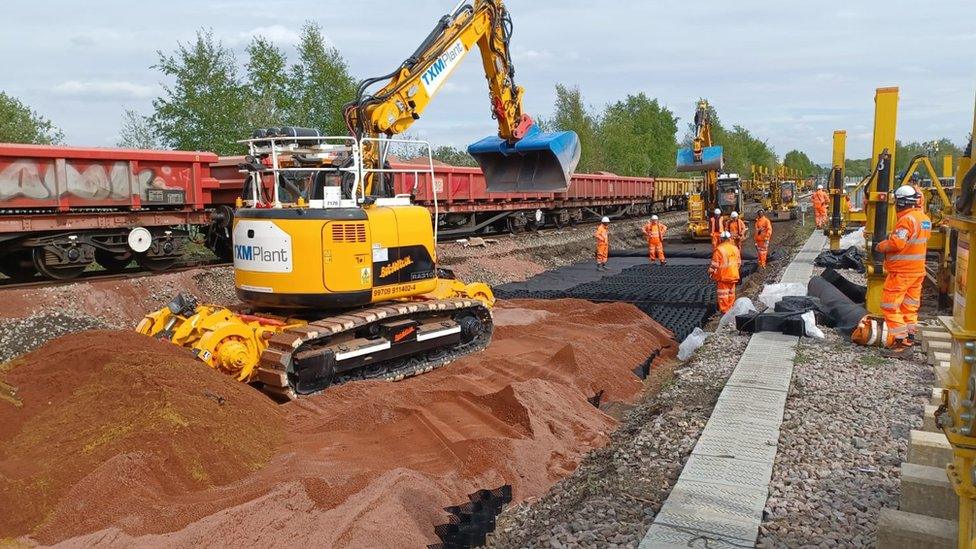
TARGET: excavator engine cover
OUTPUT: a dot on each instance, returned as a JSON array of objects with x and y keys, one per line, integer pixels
[
  {"x": 711, "y": 159},
  {"x": 538, "y": 162}
]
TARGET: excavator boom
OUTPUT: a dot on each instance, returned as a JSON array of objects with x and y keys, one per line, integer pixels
[{"x": 521, "y": 157}]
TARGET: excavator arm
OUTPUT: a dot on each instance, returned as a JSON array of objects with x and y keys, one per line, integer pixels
[
  {"x": 521, "y": 157},
  {"x": 703, "y": 157}
]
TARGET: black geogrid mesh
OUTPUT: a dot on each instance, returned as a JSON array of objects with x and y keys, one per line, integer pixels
[
  {"x": 470, "y": 523},
  {"x": 679, "y": 297}
]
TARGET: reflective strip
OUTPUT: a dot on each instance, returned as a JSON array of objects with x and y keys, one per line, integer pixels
[
  {"x": 918, "y": 241},
  {"x": 907, "y": 257},
  {"x": 902, "y": 233},
  {"x": 890, "y": 306},
  {"x": 439, "y": 333},
  {"x": 362, "y": 351},
  {"x": 910, "y": 301}
]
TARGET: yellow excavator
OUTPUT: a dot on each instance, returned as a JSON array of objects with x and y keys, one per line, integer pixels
[
  {"x": 720, "y": 191},
  {"x": 339, "y": 276}
]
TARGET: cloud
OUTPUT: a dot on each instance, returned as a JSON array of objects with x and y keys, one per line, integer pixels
[
  {"x": 277, "y": 34},
  {"x": 82, "y": 40},
  {"x": 107, "y": 89}
]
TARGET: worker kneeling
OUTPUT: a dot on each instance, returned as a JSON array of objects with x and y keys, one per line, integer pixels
[
  {"x": 602, "y": 236},
  {"x": 764, "y": 232},
  {"x": 904, "y": 266},
  {"x": 724, "y": 270},
  {"x": 654, "y": 231}
]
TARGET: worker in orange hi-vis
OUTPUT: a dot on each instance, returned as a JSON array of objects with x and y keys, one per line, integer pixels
[
  {"x": 654, "y": 231},
  {"x": 904, "y": 266},
  {"x": 820, "y": 200},
  {"x": 715, "y": 227},
  {"x": 737, "y": 228},
  {"x": 764, "y": 232},
  {"x": 602, "y": 235},
  {"x": 724, "y": 270}
]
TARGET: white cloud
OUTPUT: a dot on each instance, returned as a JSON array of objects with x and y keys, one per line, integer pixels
[
  {"x": 277, "y": 34},
  {"x": 101, "y": 90}
]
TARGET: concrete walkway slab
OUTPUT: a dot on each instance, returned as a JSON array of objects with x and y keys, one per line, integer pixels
[{"x": 719, "y": 498}]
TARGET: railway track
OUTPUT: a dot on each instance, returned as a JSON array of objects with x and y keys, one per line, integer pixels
[{"x": 100, "y": 276}]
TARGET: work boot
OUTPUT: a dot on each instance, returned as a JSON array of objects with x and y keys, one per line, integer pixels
[
  {"x": 899, "y": 349},
  {"x": 912, "y": 339}
]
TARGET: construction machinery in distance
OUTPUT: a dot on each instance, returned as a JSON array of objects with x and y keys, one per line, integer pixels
[
  {"x": 719, "y": 190},
  {"x": 778, "y": 191},
  {"x": 346, "y": 285}
]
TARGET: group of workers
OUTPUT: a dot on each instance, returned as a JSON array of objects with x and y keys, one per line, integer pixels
[{"x": 727, "y": 237}]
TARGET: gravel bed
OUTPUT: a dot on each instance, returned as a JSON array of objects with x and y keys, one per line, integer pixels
[
  {"x": 611, "y": 499},
  {"x": 22, "y": 335},
  {"x": 843, "y": 438}
]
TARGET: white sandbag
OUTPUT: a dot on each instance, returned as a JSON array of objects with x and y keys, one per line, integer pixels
[
  {"x": 691, "y": 343},
  {"x": 741, "y": 306},
  {"x": 855, "y": 238},
  {"x": 772, "y": 293},
  {"x": 810, "y": 328}
]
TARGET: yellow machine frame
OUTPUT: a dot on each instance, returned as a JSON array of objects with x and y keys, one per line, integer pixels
[{"x": 880, "y": 188}]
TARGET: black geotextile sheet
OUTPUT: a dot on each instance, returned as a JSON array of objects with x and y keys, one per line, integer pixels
[
  {"x": 851, "y": 258},
  {"x": 679, "y": 297},
  {"x": 695, "y": 250}
]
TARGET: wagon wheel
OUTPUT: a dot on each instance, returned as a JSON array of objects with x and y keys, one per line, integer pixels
[
  {"x": 513, "y": 226},
  {"x": 155, "y": 263},
  {"x": 113, "y": 262},
  {"x": 48, "y": 269},
  {"x": 558, "y": 221}
]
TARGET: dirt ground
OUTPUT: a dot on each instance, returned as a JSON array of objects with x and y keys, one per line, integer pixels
[{"x": 365, "y": 464}]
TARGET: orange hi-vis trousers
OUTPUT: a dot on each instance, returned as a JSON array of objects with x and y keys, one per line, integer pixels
[
  {"x": 726, "y": 295},
  {"x": 655, "y": 251},
  {"x": 762, "y": 248},
  {"x": 900, "y": 299}
]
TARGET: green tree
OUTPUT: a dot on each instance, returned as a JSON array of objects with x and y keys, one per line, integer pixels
[
  {"x": 637, "y": 136},
  {"x": 20, "y": 124},
  {"x": 320, "y": 84},
  {"x": 270, "y": 98},
  {"x": 740, "y": 148},
  {"x": 205, "y": 106},
  {"x": 137, "y": 132},
  {"x": 453, "y": 156},
  {"x": 570, "y": 113},
  {"x": 798, "y": 160}
]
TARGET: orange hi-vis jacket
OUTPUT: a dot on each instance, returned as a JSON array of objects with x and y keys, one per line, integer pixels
[
  {"x": 725, "y": 263},
  {"x": 905, "y": 247},
  {"x": 654, "y": 232},
  {"x": 764, "y": 230},
  {"x": 715, "y": 225},
  {"x": 820, "y": 199},
  {"x": 736, "y": 227}
]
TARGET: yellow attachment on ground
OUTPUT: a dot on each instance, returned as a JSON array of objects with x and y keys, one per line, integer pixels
[
  {"x": 227, "y": 341},
  {"x": 448, "y": 288}
]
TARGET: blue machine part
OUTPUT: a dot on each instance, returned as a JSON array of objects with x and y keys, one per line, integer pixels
[
  {"x": 711, "y": 159},
  {"x": 539, "y": 162}
]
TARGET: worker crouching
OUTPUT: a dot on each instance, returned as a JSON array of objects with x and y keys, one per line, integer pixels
[
  {"x": 904, "y": 266},
  {"x": 654, "y": 231},
  {"x": 602, "y": 235},
  {"x": 724, "y": 270},
  {"x": 764, "y": 233}
]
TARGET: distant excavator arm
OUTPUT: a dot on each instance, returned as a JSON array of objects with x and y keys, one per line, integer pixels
[{"x": 547, "y": 159}]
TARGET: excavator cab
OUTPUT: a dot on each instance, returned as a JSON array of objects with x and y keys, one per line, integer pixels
[{"x": 538, "y": 162}]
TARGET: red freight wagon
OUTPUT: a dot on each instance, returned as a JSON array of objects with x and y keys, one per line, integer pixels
[
  {"x": 63, "y": 208},
  {"x": 466, "y": 205}
]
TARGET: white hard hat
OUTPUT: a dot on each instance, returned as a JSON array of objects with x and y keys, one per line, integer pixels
[
  {"x": 653, "y": 218},
  {"x": 735, "y": 215},
  {"x": 905, "y": 191},
  {"x": 726, "y": 234},
  {"x": 819, "y": 186},
  {"x": 718, "y": 211},
  {"x": 605, "y": 220},
  {"x": 906, "y": 196}
]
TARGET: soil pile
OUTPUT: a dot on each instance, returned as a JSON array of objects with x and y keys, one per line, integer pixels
[
  {"x": 373, "y": 464},
  {"x": 96, "y": 421}
]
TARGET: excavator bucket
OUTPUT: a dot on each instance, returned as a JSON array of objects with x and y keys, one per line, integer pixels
[
  {"x": 711, "y": 159},
  {"x": 539, "y": 162}
]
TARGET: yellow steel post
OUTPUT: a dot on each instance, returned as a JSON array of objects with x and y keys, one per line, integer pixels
[
  {"x": 957, "y": 415},
  {"x": 947, "y": 166},
  {"x": 836, "y": 185},
  {"x": 879, "y": 216}
]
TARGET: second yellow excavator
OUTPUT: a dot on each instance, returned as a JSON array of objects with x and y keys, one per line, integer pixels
[{"x": 339, "y": 277}]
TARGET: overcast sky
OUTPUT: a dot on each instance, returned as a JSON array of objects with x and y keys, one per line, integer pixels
[{"x": 790, "y": 71}]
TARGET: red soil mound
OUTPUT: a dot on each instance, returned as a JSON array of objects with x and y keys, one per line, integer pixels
[
  {"x": 94, "y": 409},
  {"x": 371, "y": 464}
]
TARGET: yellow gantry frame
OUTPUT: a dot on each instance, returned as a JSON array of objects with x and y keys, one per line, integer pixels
[
  {"x": 885, "y": 121},
  {"x": 956, "y": 415},
  {"x": 411, "y": 89}
]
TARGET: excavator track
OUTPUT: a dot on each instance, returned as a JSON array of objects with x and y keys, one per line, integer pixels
[{"x": 363, "y": 344}]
